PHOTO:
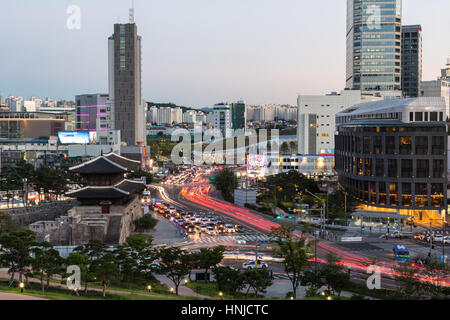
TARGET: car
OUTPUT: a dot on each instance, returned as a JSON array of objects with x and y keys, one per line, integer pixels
[
  {"x": 446, "y": 239},
  {"x": 198, "y": 225},
  {"x": 155, "y": 266},
  {"x": 239, "y": 228},
  {"x": 210, "y": 230},
  {"x": 252, "y": 265},
  {"x": 229, "y": 228}
]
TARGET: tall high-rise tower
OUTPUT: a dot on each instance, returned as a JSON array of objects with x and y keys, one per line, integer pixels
[
  {"x": 374, "y": 46},
  {"x": 125, "y": 87},
  {"x": 411, "y": 60}
]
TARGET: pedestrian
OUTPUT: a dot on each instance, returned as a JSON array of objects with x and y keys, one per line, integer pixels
[
  {"x": 349, "y": 269},
  {"x": 271, "y": 274},
  {"x": 370, "y": 229}
]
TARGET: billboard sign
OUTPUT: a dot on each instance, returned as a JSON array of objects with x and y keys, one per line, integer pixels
[{"x": 73, "y": 137}]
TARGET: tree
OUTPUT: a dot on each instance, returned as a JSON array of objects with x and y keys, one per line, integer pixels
[
  {"x": 25, "y": 173},
  {"x": 134, "y": 257},
  {"x": 174, "y": 265},
  {"x": 229, "y": 280},
  {"x": 15, "y": 252},
  {"x": 284, "y": 149},
  {"x": 207, "y": 258},
  {"x": 80, "y": 260},
  {"x": 294, "y": 254},
  {"x": 105, "y": 268},
  {"x": 287, "y": 185},
  {"x": 7, "y": 224},
  {"x": 435, "y": 272},
  {"x": 10, "y": 182},
  {"x": 145, "y": 223},
  {"x": 46, "y": 262},
  {"x": 406, "y": 278},
  {"x": 139, "y": 175},
  {"x": 226, "y": 182},
  {"x": 91, "y": 251},
  {"x": 334, "y": 276},
  {"x": 283, "y": 232},
  {"x": 257, "y": 279}
]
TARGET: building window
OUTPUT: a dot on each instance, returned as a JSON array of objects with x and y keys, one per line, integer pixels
[
  {"x": 406, "y": 194},
  {"x": 421, "y": 145},
  {"x": 419, "y": 116},
  {"x": 390, "y": 145},
  {"x": 393, "y": 194},
  {"x": 433, "y": 116},
  {"x": 437, "y": 145},
  {"x": 438, "y": 169},
  {"x": 423, "y": 168},
  {"x": 405, "y": 145},
  {"x": 392, "y": 168},
  {"x": 407, "y": 168},
  {"x": 421, "y": 196},
  {"x": 379, "y": 167}
]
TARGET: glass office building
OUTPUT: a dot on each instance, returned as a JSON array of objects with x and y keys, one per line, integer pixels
[
  {"x": 411, "y": 60},
  {"x": 374, "y": 46}
]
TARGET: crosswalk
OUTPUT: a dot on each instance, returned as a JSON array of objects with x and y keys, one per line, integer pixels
[
  {"x": 244, "y": 239},
  {"x": 279, "y": 276}
]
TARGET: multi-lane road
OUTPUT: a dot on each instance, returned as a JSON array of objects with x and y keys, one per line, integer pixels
[{"x": 198, "y": 196}]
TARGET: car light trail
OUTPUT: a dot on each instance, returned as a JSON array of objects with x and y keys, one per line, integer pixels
[{"x": 200, "y": 195}]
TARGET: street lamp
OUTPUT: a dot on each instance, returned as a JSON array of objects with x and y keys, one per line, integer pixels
[
  {"x": 149, "y": 288},
  {"x": 21, "y": 286},
  {"x": 171, "y": 290}
]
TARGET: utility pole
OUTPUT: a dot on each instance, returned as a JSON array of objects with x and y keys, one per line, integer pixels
[
  {"x": 322, "y": 213},
  {"x": 431, "y": 236},
  {"x": 345, "y": 207},
  {"x": 443, "y": 240}
]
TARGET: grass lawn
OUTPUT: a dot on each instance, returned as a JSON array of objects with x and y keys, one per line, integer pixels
[{"x": 210, "y": 289}]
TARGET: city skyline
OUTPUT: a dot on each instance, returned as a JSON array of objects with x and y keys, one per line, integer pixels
[{"x": 191, "y": 56}]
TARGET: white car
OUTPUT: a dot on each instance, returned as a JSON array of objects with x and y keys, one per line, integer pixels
[
  {"x": 251, "y": 265},
  {"x": 211, "y": 230},
  {"x": 446, "y": 239},
  {"x": 229, "y": 228}
]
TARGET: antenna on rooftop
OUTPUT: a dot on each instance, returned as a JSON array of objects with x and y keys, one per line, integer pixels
[{"x": 132, "y": 12}]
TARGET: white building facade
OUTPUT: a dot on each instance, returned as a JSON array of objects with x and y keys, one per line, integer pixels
[{"x": 316, "y": 119}]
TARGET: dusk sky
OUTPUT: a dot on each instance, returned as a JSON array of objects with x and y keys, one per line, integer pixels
[{"x": 196, "y": 52}]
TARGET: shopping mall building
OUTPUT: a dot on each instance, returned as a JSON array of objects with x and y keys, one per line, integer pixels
[{"x": 392, "y": 155}]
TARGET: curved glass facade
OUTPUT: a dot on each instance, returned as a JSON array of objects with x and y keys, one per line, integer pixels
[{"x": 402, "y": 166}]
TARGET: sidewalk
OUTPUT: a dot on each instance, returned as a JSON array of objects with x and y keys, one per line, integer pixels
[
  {"x": 11, "y": 297},
  {"x": 182, "y": 290},
  {"x": 279, "y": 288}
]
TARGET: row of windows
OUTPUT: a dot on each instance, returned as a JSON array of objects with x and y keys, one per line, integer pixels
[
  {"x": 371, "y": 116},
  {"x": 391, "y": 145},
  {"x": 426, "y": 116},
  {"x": 392, "y": 168},
  {"x": 398, "y": 194}
]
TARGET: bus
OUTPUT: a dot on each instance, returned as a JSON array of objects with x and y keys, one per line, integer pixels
[{"x": 401, "y": 253}]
